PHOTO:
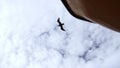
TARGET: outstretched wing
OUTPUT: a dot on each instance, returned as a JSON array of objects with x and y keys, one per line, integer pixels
[
  {"x": 58, "y": 20},
  {"x": 62, "y": 28}
]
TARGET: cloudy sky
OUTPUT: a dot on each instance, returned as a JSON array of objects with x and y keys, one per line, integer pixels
[{"x": 31, "y": 38}]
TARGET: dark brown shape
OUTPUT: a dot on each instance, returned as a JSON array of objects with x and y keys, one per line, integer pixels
[{"x": 104, "y": 12}]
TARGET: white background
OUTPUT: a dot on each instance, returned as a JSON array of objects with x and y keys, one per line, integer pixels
[{"x": 31, "y": 38}]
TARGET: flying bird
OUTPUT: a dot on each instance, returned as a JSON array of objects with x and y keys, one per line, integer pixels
[{"x": 60, "y": 24}]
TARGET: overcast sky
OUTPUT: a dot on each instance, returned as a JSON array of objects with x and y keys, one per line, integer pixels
[{"x": 31, "y": 38}]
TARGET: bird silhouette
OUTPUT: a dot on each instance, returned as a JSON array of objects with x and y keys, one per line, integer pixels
[{"x": 60, "y": 24}]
